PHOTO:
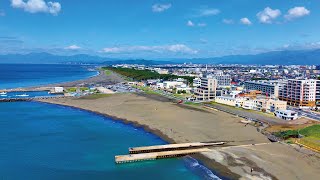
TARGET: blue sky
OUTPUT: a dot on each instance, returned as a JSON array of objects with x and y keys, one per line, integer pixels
[{"x": 157, "y": 28}]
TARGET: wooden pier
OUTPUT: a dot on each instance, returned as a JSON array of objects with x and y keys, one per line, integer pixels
[
  {"x": 172, "y": 147},
  {"x": 157, "y": 155}
]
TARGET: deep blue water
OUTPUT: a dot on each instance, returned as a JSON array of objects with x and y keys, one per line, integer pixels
[
  {"x": 27, "y": 94},
  {"x": 44, "y": 141},
  {"x": 26, "y": 75}
]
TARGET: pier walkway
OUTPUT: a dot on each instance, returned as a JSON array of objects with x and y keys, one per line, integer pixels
[
  {"x": 165, "y": 151},
  {"x": 172, "y": 147},
  {"x": 157, "y": 155}
]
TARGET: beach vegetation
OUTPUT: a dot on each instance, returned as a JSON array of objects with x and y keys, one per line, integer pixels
[
  {"x": 107, "y": 72},
  {"x": 309, "y": 136},
  {"x": 141, "y": 75}
]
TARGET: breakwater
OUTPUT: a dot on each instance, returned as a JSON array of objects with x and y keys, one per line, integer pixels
[{"x": 28, "y": 99}]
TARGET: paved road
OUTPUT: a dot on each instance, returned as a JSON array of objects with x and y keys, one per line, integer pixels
[
  {"x": 306, "y": 113},
  {"x": 248, "y": 114}
]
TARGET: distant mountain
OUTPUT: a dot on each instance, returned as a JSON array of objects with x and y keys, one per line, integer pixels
[
  {"x": 294, "y": 57},
  {"x": 42, "y": 58},
  {"x": 46, "y": 58}
]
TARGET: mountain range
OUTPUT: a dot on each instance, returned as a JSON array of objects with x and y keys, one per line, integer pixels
[{"x": 293, "y": 57}]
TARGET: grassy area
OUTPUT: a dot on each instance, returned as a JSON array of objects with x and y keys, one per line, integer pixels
[
  {"x": 107, "y": 72},
  {"x": 192, "y": 103},
  {"x": 140, "y": 75},
  {"x": 147, "y": 90},
  {"x": 311, "y": 136},
  {"x": 96, "y": 96},
  {"x": 183, "y": 96},
  {"x": 84, "y": 89},
  {"x": 73, "y": 89}
]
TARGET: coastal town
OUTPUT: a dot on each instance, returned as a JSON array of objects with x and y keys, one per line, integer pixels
[{"x": 279, "y": 103}]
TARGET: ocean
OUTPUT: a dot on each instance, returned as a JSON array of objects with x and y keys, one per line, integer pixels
[
  {"x": 26, "y": 75},
  {"x": 45, "y": 141}
]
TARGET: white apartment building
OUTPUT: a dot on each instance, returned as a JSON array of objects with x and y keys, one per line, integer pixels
[
  {"x": 302, "y": 93},
  {"x": 222, "y": 79},
  {"x": 196, "y": 82},
  {"x": 207, "y": 90},
  {"x": 172, "y": 84}
]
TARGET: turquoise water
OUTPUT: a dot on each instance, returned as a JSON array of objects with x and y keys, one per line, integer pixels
[{"x": 44, "y": 141}]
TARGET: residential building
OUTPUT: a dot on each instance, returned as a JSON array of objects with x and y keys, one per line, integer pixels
[
  {"x": 172, "y": 84},
  {"x": 302, "y": 93},
  {"x": 318, "y": 94},
  {"x": 286, "y": 114},
  {"x": 230, "y": 101},
  {"x": 270, "y": 88},
  {"x": 258, "y": 104},
  {"x": 222, "y": 79},
  {"x": 207, "y": 90},
  {"x": 196, "y": 82}
]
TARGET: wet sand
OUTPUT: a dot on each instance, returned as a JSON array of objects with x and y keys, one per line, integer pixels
[{"x": 181, "y": 123}]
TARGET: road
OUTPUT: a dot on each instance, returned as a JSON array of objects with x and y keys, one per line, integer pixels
[{"x": 306, "y": 113}]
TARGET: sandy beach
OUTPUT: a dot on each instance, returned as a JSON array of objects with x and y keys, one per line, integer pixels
[{"x": 182, "y": 123}]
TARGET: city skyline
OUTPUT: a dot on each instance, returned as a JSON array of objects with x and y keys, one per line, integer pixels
[{"x": 157, "y": 29}]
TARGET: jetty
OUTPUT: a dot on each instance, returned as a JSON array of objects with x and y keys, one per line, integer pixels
[
  {"x": 172, "y": 147},
  {"x": 157, "y": 155},
  {"x": 165, "y": 151},
  {"x": 29, "y": 98}
]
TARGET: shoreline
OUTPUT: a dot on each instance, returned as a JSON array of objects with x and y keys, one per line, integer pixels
[
  {"x": 202, "y": 160},
  {"x": 216, "y": 168},
  {"x": 159, "y": 118}
]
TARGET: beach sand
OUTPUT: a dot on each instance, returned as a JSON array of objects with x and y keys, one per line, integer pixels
[{"x": 182, "y": 123}]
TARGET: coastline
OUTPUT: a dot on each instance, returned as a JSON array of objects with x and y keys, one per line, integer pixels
[
  {"x": 218, "y": 168},
  {"x": 159, "y": 117},
  {"x": 202, "y": 160}
]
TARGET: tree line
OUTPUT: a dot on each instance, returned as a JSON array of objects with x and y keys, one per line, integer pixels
[{"x": 140, "y": 75}]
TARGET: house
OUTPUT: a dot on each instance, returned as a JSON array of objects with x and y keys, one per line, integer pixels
[
  {"x": 230, "y": 101},
  {"x": 58, "y": 89},
  {"x": 286, "y": 114}
]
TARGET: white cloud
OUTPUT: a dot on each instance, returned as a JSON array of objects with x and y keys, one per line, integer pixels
[
  {"x": 228, "y": 21},
  {"x": 297, "y": 12},
  {"x": 245, "y": 21},
  {"x": 175, "y": 48},
  {"x": 73, "y": 47},
  {"x": 190, "y": 23},
  {"x": 208, "y": 12},
  {"x": 35, "y": 6},
  {"x": 267, "y": 15},
  {"x": 160, "y": 7}
]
